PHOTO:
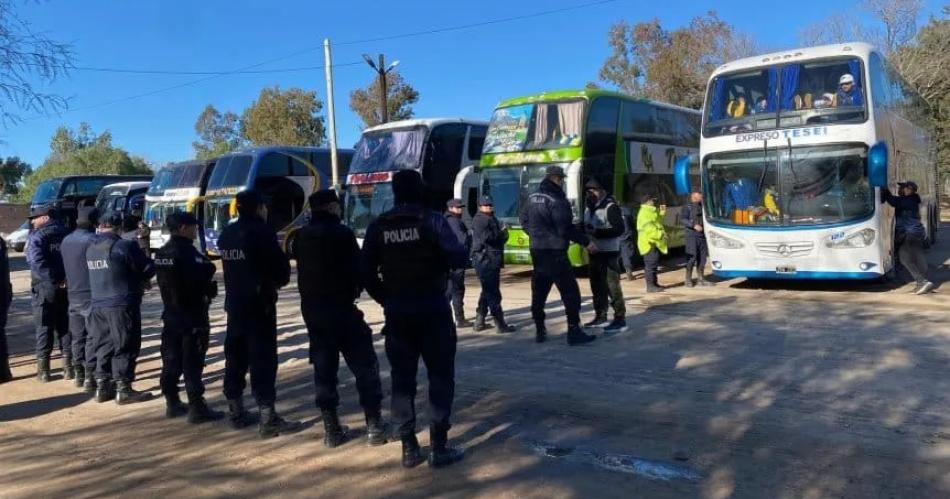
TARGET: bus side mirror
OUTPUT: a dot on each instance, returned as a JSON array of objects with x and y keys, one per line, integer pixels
[
  {"x": 877, "y": 165},
  {"x": 681, "y": 175}
]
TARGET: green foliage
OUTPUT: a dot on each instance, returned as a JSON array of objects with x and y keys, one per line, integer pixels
[
  {"x": 218, "y": 133},
  {"x": 290, "y": 117},
  {"x": 82, "y": 152},
  {"x": 12, "y": 171},
  {"x": 400, "y": 96}
]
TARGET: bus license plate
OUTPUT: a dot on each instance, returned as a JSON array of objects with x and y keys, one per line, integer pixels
[{"x": 785, "y": 270}]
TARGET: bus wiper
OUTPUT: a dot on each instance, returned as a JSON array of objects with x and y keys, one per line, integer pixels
[{"x": 765, "y": 159}]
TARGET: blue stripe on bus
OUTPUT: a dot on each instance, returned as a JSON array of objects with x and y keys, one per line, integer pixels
[{"x": 767, "y": 274}]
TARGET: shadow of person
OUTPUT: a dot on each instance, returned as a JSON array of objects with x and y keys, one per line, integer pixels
[{"x": 33, "y": 408}]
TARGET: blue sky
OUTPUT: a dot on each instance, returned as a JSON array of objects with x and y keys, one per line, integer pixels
[{"x": 461, "y": 73}]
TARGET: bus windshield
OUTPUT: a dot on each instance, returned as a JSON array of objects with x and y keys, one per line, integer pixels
[
  {"x": 788, "y": 95},
  {"x": 230, "y": 171},
  {"x": 804, "y": 186},
  {"x": 530, "y": 127},
  {"x": 388, "y": 150},
  {"x": 47, "y": 191},
  {"x": 509, "y": 187},
  {"x": 217, "y": 213},
  {"x": 364, "y": 203}
]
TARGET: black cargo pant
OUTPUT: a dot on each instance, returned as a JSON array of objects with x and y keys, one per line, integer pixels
[
  {"x": 651, "y": 264},
  {"x": 489, "y": 275},
  {"x": 84, "y": 350},
  {"x": 250, "y": 344},
  {"x": 432, "y": 336},
  {"x": 4, "y": 349},
  {"x": 183, "y": 354},
  {"x": 118, "y": 333},
  {"x": 455, "y": 291},
  {"x": 698, "y": 252},
  {"x": 336, "y": 329},
  {"x": 913, "y": 258},
  {"x": 51, "y": 317},
  {"x": 551, "y": 267},
  {"x": 605, "y": 271}
]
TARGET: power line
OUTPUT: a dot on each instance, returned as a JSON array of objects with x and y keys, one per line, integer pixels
[{"x": 205, "y": 73}]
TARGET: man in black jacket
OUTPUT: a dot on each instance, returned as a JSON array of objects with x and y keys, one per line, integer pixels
[
  {"x": 910, "y": 233},
  {"x": 488, "y": 257},
  {"x": 691, "y": 217},
  {"x": 328, "y": 278},
  {"x": 6, "y": 296},
  {"x": 456, "y": 286},
  {"x": 549, "y": 222},
  {"x": 604, "y": 222},
  {"x": 73, "y": 249},
  {"x": 48, "y": 286},
  {"x": 255, "y": 268},
  {"x": 185, "y": 281}
]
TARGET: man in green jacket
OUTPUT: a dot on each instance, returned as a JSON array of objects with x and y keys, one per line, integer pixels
[{"x": 651, "y": 239}]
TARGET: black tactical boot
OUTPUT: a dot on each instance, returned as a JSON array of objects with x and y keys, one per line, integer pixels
[
  {"x": 334, "y": 434},
  {"x": 272, "y": 424},
  {"x": 5, "y": 374},
  {"x": 577, "y": 336},
  {"x": 540, "y": 333},
  {"x": 460, "y": 321},
  {"x": 704, "y": 282},
  {"x": 68, "y": 371},
  {"x": 689, "y": 277},
  {"x": 479, "y": 322},
  {"x": 173, "y": 407},
  {"x": 411, "y": 453},
  {"x": 502, "y": 327},
  {"x": 89, "y": 385},
  {"x": 125, "y": 394},
  {"x": 80, "y": 373},
  {"x": 199, "y": 412},
  {"x": 376, "y": 429},
  {"x": 237, "y": 415},
  {"x": 441, "y": 454},
  {"x": 600, "y": 319},
  {"x": 42, "y": 369},
  {"x": 105, "y": 390}
]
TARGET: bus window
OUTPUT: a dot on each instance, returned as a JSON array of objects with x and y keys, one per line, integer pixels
[
  {"x": 476, "y": 141},
  {"x": 273, "y": 164},
  {"x": 230, "y": 171},
  {"x": 285, "y": 197},
  {"x": 638, "y": 122},
  {"x": 84, "y": 187},
  {"x": 600, "y": 142}
]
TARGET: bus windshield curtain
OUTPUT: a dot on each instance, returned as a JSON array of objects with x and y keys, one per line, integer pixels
[
  {"x": 716, "y": 107},
  {"x": 770, "y": 104},
  {"x": 855, "y": 68},
  {"x": 396, "y": 150},
  {"x": 789, "y": 86}
]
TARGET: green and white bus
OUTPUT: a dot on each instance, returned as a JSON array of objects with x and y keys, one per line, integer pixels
[{"x": 629, "y": 145}]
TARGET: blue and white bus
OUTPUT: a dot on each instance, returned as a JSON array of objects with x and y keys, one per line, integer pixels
[{"x": 796, "y": 148}]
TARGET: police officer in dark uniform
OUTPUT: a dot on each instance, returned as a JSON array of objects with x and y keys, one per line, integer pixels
[
  {"x": 185, "y": 281},
  {"x": 255, "y": 268},
  {"x": 691, "y": 217},
  {"x": 407, "y": 254},
  {"x": 119, "y": 273},
  {"x": 549, "y": 222},
  {"x": 328, "y": 279},
  {"x": 48, "y": 280},
  {"x": 73, "y": 249},
  {"x": 456, "y": 285},
  {"x": 488, "y": 257},
  {"x": 6, "y": 296}
]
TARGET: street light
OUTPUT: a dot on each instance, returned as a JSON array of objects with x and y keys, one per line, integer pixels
[{"x": 381, "y": 70}]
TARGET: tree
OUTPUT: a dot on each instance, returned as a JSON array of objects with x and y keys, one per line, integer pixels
[
  {"x": 82, "y": 152},
  {"x": 217, "y": 133},
  {"x": 400, "y": 96},
  {"x": 290, "y": 117},
  {"x": 12, "y": 171},
  {"x": 895, "y": 24},
  {"x": 671, "y": 66},
  {"x": 25, "y": 56}
]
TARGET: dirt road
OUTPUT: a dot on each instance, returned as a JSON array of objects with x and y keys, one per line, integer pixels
[{"x": 743, "y": 390}]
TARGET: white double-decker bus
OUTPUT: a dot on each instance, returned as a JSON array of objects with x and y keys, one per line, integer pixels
[{"x": 796, "y": 149}]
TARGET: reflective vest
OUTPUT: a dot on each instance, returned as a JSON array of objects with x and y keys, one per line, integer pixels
[{"x": 597, "y": 218}]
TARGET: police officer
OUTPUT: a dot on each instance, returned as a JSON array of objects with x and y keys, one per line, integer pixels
[
  {"x": 73, "y": 249},
  {"x": 119, "y": 273},
  {"x": 6, "y": 296},
  {"x": 488, "y": 248},
  {"x": 48, "y": 280},
  {"x": 255, "y": 268},
  {"x": 328, "y": 278},
  {"x": 407, "y": 254},
  {"x": 691, "y": 216},
  {"x": 456, "y": 285},
  {"x": 604, "y": 223},
  {"x": 548, "y": 221},
  {"x": 185, "y": 281}
]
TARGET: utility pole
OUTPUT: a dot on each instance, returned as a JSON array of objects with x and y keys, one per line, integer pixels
[
  {"x": 381, "y": 70},
  {"x": 331, "y": 114}
]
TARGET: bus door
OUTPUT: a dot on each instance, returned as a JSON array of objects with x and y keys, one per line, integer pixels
[{"x": 466, "y": 189}]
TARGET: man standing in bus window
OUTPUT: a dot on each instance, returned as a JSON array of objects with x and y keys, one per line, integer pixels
[
  {"x": 488, "y": 257},
  {"x": 73, "y": 250},
  {"x": 651, "y": 239},
  {"x": 48, "y": 282},
  {"x": 407, "y": 254},
  {"x": 456, "y": 285},
  {"x": 119, "y": 273},
  {"x": 185, "y": 281},
  {"x": 848, "y": 93},
  {"x": 604, "y": 222},
  {"x": 549, "y": 222},
  {"x": 691, "y": 217},
  {"x": 328, "y": 278},
  {"x": 6, "y": 296},
  {"x": 255, "y": 268}
]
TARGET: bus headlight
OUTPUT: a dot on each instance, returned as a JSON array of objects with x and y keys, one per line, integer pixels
[
  {"x": 860, "y": 239},
  {"x": 721, "y": 241}
]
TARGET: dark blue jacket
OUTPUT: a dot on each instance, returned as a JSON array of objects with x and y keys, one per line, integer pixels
[
  {"x": 185, "y": 281},
  {"x": 691, "y": 214},
  {"x": 73, "y": 249},
  {"x": 328, "y": 261},
  {"x": 43, "y": 253},
  {"x": 853, "y": 98},
  {"x": 904, "y": 206},
  {"x": 488, "y": 241},
  {"x": 6, "y": 288},
  {"x": 255, "y": 267},
  {"x": 118, "y": 271},
  {"x": 440, "y": 252},
  {"x": 549, "y": 221},
  {"x": 460, "y": 230}
]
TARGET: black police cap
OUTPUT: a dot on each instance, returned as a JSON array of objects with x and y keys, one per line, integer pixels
[
  {"x": 179, "y": 219},
  {"x": 41, "y": 210},
  {"x": 323, "y": 198}
]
